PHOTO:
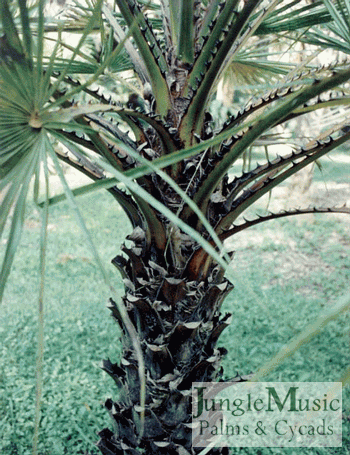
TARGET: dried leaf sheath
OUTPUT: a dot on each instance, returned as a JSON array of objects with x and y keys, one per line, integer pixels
[{"x": 167, "y": 162}]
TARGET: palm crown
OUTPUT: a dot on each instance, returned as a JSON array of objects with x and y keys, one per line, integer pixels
[{"x": 172, "y": 159}]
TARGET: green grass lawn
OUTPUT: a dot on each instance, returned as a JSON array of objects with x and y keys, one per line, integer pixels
[{"x": 286, "y": 273}]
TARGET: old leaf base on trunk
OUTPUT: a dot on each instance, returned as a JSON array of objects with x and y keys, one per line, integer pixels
[{"x": 179, "y": 324}]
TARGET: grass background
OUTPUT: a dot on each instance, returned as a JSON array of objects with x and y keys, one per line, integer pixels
[{"x": 286, "y": 273}]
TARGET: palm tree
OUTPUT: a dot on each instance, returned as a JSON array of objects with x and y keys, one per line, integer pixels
[{"x": 165, "y": 163}]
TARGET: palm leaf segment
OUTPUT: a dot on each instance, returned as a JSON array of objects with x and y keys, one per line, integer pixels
[
  {"x": 174, "y": 289},
  {"x": 174, "y": 294},
  {"x": 23, "y": 89}
]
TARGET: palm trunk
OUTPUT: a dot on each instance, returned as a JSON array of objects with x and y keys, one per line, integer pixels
[{"x": 178, "y": 323}]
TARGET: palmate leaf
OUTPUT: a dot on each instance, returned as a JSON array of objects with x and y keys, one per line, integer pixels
[
  {"x": 294, "y": 15},
  {"x": 257, "y": 68},
  {"x": 25, "y": 111},
  {"x": 18, "y": 142},
  {"x": 137, "y": 63},
  {"x": 335, "y": 34},
  {"x": 340, "y": 14},
  {"x": 253, "y": 76},
  {"x": 223, "y": 45},
  {"x": 14, "y": 200},
  {"x": 324, "y": 40},
  {"x": 36, "y": 110}
]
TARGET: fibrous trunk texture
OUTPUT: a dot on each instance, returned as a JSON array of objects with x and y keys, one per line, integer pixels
[{"x": 178, "y": 323}]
